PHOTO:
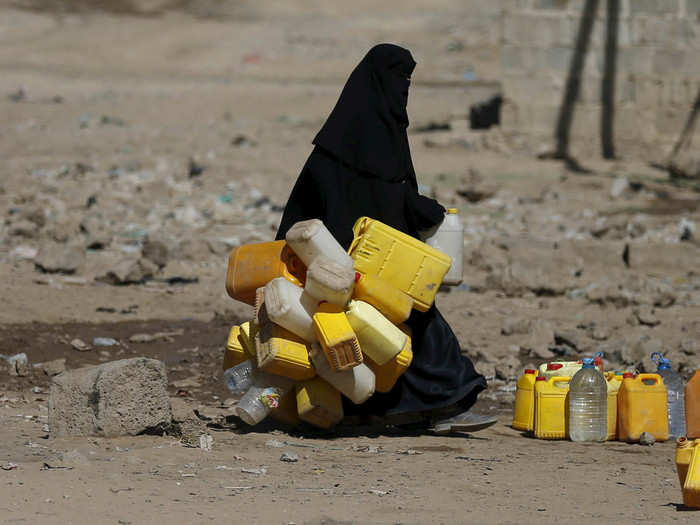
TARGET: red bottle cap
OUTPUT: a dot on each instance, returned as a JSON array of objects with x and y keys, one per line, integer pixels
[
  {"x": 530, "y": 371},
  {"x": 628, "y": 375},
  {"x": 554, "y": 366},
  {"x": 358, "y": 276},
  {"x": 540, "y": 378}
]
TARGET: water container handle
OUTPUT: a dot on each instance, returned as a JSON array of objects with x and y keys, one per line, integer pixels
[
  {"x": 357, "y": 230},
  {"x": 560, "y": 379},
  {"x": 653, "y": 377}
]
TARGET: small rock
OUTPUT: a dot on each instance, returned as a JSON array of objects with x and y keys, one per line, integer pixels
[
  {"x": 23, "y": 228},
  {"x": 289, "y": 457},
  {"x": 515, "y": 325},
  {"x": 507, "y": 368},
  {"x": 80, "y": 345},
  {"x": 55, "y": 367},
  {"x": 186, "y": 425},
  {"x": 129, "y": 271},
  {"x": 645, "y": 315},
  {"x": 619, "y": 187},
  {"x": 155, "y": 251},
  {"x": 258, "y": 471},
  {"x": 647, "y": 439},
  {"x": 105, "y": 341},
  {"x": 274, "y": 443},
  {"x": 59, "y": 258}
]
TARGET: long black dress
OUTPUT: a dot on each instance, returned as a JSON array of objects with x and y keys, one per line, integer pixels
[{"x": 361, "y": 166}]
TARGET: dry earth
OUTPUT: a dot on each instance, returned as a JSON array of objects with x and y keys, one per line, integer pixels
[{"x": 143, "y": 149}]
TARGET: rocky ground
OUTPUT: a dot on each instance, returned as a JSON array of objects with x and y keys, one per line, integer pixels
[{"x": 136, "y": 152}]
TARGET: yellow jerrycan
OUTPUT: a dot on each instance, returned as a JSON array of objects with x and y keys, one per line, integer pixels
[
  {"x": 319, "y": 403},
  {"x": 394, "y": 304},
  {"x": 642, "y": 407},
  {"x": 404, "y": 262},
  {"x": 551, "y": 407},
  {"x": 387, "y": 374},
  {"x": 379, "y": 339},
  {"x": 337, "y": 338},
  {"x": 253, "y": 265},
  {"x": 684, "y": 452},
  {"x": 281, "y": 352},
  {"x": 614, "y": 383},
  {"x": 235, "y": 353},
  {"x": 691, "y": 487},
  {"x": 524, "y": 409},
  {"x": 559, "y": 369}
]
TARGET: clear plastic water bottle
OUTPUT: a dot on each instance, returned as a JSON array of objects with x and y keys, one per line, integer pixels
[
  {"x": 676, "y": 395},
  {"x": 588, "y": 404},
  {"x": 239, "y": 378}
]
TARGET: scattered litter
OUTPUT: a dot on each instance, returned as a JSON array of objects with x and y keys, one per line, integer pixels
[
  {"x": 647, "y": 439},
  {"x": 259, "y": 471},
  {"x": 167, "y": 337},
  {"x": 116, "y": 491},
  {"x": 409, "y": 452},
  {"x": 469, "y": 458},
  {"x": 105, "y": 341},
  {"x": 289, "y": 457},
  {"x": 188, "y": 475},
  {"x": 9, "y": 466},
  {"x": 378, "y": 492},
  {"x": 273, "y": 443},
  {"x": 370, "y": 449},
  {"x": 46, "y": 466},
  {"x": 237, "y": 488},
  {"x": 205, "y": 442}
]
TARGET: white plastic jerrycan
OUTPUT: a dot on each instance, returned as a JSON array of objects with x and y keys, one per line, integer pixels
[{"x": 448, "y": 237}]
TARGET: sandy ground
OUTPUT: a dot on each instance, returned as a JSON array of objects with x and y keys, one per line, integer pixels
[{"x": 134, "y": 99}]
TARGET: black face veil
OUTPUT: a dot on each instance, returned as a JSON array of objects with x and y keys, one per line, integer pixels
[{"x": 367, "y": 127}]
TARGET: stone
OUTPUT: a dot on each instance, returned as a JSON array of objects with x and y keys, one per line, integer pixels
[
  {"x": 541, "y": 336},
  {"x": 645, "y": 315},
  {"x": 639, "y": 353},
  {"x": 129, "y": 271},
  {"x": 155, "y": 251},
  {"x": 19, "y": 364},
  {"x": 646, "y": 439},
  {"x": 23, "y": 228},
  {"x": 55, "y": 367},
  {"x": 194, "y": 249},
  {"x": 186, "y": 425},
  {"x": 289, "y": 457},
  {"x": 80, "y": 345},
  {"x": 59, "y": 258},
  {"x": 515, "y": 325},
  {"x": 507, "y": 368},
  {"x": 619, "y": 188},
  {"x": 126, "y": 397}
]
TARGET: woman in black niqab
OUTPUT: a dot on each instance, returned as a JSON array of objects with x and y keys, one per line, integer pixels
[{"x": 361, "y": 166}]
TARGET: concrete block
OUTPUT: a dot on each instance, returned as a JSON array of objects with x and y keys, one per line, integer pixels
[
  {"x": 125, "y": 397},
  {"x": 674, "y": 33},
  {"x": 655, "y": 7},
  {"x": 541, "y": 30},
  {"x": 669, "y": 61},
  {"x": 635, "y": 60}
]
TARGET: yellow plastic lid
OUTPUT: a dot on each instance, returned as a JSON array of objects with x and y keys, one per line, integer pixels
[{"x": 452, "y": 210}]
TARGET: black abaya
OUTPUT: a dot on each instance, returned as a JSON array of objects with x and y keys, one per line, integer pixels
[{"x": 361, "y": 166}]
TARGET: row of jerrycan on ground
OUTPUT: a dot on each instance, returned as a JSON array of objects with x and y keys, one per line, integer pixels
[
  {"x": 328, "y": 322},
  {"x": 552, "y": 404}
]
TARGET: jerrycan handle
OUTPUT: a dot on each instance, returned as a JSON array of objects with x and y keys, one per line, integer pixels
[
  {"x": 560, "y": 379},
  {"x": 358, "y": 229},
  {"x": 643, "y": 378}
]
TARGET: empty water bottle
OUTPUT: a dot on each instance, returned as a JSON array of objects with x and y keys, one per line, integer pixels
[
  {"x": 676, "y": 395},
  {"x": 239, "y": 378},
  {"x": 588, "y": 392}
]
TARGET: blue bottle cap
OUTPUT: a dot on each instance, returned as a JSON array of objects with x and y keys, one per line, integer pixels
[
  {"x": 588, "y": 362},
  {"x": 661, "y": 361}
]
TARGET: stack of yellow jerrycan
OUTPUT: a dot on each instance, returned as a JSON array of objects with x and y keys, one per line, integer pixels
[
  {"x": 327, "y": 321},
  {"x": 688, "y": 466}
]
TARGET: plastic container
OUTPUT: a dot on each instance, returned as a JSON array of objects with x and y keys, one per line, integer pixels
[
  {"x": 404, "y": 262},
  {"x": 614, "y": 383},
  {"x": 253, "y": 265},
  {"x": 337, "y": 338},
  {"x": 319, "y": 403},
  {"x": 588, "y": 404},
  {"x": 684, "y": 452},
  {"x": 524, "y": 409},
  {"x": 287, "y": 305},
  {"x": 239, "y": 378},
  {"x": 691, "y": 487},
  {"x": 326, "y": 280},
  {"x": 311, "y": 238},
  {"x": 235, "y": 352},
  {"x": 282, "y": 353},
  {"x": 357, "y": 383},
  {"x": 388, "y": 373},
  {"x": 642, "y": 407},
  {"x": 247, "y": 338},
  {"x": 692, "y": 406},
  {"x": 551, "y": 407},
  {"x": 263, "y": 396},
  {"x": 559, "y": 368},
  {"x": 380, "y": 340},
  {"x": 676, "y": 395},
  {"x": 448, "y": 237},
  {"x": 394, "y": 304}
]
